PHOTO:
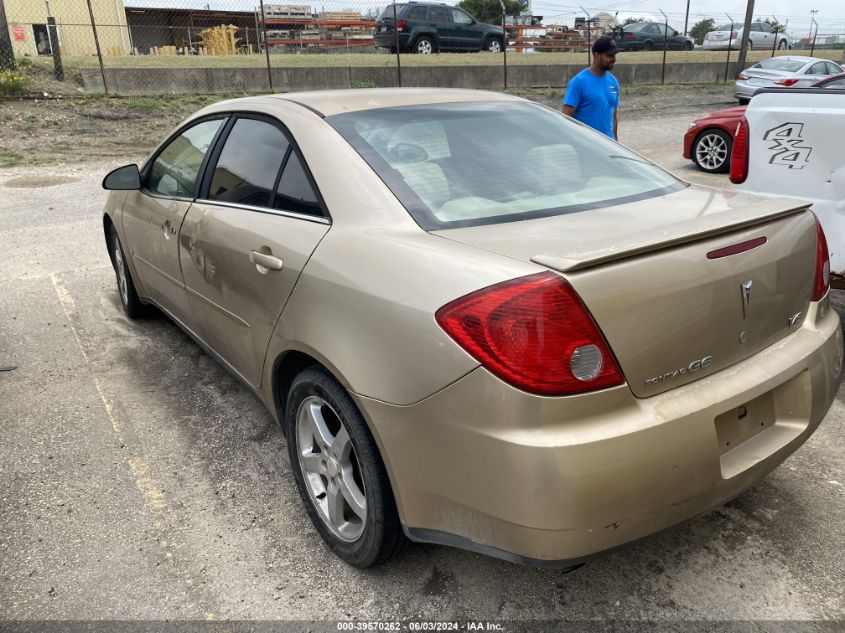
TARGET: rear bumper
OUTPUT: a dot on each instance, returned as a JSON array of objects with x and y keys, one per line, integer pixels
[
  {"x": 744, "y": 90},
  {"x": 720, "y": 45},
  {"x": 555, "y": 481},
  {"x": 388, "y": 40}
]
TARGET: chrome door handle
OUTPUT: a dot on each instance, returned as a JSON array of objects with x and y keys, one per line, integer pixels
[{"x": 265, "y": 263}]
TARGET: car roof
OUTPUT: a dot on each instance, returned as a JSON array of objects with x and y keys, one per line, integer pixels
[{"x": 329, "y": 102}]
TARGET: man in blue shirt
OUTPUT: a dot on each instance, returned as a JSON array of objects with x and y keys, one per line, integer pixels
[{"x": 592, "y": 96}]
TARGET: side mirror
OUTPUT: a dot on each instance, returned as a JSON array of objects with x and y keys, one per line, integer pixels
[{"x": 126, "y": 178}]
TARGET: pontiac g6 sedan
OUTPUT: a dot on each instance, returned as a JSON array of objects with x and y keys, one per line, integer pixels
[{"x": 478, "y": 322}]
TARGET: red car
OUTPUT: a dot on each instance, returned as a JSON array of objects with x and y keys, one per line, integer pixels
[{"x": 709, "y": 140}]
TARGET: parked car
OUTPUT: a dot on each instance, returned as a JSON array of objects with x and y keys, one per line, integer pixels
[
  {"x": 709, "y": 139},
  {"x": 761, "y": 36},
  {"x": 433, "y": 27},
  {"x": 479, "y": 322},
  {"x": 646, "y": 36},
  {"x": 787, "y": 72},
  {"x": 789, "y": 143}
]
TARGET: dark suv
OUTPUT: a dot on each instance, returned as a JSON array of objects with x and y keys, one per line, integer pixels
[{"x": 427, "y": 27}]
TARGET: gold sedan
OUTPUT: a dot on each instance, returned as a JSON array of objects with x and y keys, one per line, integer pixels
[{"x": 478, "y": 322}]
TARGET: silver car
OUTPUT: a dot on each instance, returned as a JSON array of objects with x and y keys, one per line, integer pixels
[
  {"x": 783, "y": 72},
  {"x": 761, "y": 37}
]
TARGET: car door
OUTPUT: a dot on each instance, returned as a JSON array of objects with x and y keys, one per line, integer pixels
[
  {"x": 447, "y": 36},
  {"x": 152, "y": 215},
  {"x": 247, "y": 238},
  {"x": 467, "y": 30}
]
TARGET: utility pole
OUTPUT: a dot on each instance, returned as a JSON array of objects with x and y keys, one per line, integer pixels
[
  {"x": 7, "y": 53},
  {"x": 686, "y": 20},
  {"x": 746, "y": 32}
]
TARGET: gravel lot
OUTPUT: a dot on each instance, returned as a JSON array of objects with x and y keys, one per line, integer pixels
[{"x": 138, "y": 480}]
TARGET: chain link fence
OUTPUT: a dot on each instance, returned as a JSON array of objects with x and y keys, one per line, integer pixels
[{"x": 252, "y": 46}]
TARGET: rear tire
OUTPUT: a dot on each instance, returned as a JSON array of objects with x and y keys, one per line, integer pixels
[
  {"x": 648, "y": 46},
  {"x": 743, "y": 101},
  {"x": 335, "y": 459},
  {"x": 129, "y": 300},
  {"x": 424, "y": 45},
  {"x": 687, "y": 46},
  {"x": 711, "y": 151}
]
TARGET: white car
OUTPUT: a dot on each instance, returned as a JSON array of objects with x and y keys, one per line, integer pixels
[
  {"x": 783, "y": 72},
  {"x": 788, "y": 143},
  {"x": 762, "y": 37}
]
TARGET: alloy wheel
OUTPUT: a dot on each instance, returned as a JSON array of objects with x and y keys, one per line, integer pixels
[
  {"x": 495, "y": 46},
  {"x": 424, "y": 47},
  {"x": 330, "y": 469},
  {"x": 711, "y": 151}
]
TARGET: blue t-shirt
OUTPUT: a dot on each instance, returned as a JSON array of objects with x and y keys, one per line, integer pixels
[{"x": 594, "y": 99}]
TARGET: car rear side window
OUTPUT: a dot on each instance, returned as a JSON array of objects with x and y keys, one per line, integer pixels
[
  {"x": 295, "y": 193},
  {"x": 440, "y": 15},
  {"x": 417, "y": 13},
  {"x": 249, "y": 164},
  {"x": 174, "y": 171}
]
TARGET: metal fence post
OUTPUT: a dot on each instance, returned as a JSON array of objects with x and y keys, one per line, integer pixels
[
  {"x": 775, "y": 44},
  {"x": 53, "y": 36},
  {"x": 266, "y": 45},
  {"x": 589, "y": 37},
  {"x": 504, "y": 45},
  {"x": 815, "y": 33},
  {"x": 396, "y": 41},
  {"x": 97, "y": 44},
  {"x": 665, "y": 44},
  {"x": 728, "y": 60}
]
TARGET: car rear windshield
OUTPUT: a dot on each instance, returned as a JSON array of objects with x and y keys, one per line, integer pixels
[
  {"x": 779, "y": 63},
  {"x": 466, "y": 164},
  {"x": 727, "y": 27}
]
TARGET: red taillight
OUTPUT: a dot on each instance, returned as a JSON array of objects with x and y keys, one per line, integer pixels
[
  {"x": 739, "y": 153},
  {"x": 534, "y": 333},
  {"x": 629, "y": 36},
  {"x": 821, "y": 284},
  {"x": 787, "y": 82},
  {"x": 742, "y": 77},
  {"x": 401, "y": 24}
]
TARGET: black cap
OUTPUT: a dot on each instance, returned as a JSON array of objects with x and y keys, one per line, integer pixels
[{"x": 605, "y": 45}]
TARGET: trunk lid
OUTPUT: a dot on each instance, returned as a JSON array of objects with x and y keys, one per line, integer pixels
[{"x": 669, "y": 301}]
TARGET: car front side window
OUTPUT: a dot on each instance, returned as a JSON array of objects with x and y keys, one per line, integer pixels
[
  {"x": 174, "y": 171},
  {"x": 461, "y": 18}
]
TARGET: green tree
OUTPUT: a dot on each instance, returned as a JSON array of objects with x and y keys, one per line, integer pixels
[
  {"x": 628, "y": 21},
  {"x": 490, "y": 11},
  {"x": 780, "y": 28},
  {"x": 702, "y": 28}
]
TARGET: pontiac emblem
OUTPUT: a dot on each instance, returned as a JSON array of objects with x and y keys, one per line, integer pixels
[{"x": 745, "y": 290}]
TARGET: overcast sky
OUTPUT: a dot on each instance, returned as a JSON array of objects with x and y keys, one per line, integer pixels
[{"x": 831, "y": 15}]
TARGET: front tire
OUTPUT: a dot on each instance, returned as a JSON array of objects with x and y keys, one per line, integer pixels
[
  {"x": 424, "y": 45},
  {"x": 339, "y": 473},
  {"x": 687, "y": 46},
  {"x": 783, "y": 45},
  {"x": 129, "y": 300},
  {"x": 711, "y": 151},
  {"x": 493, "y": 45}
]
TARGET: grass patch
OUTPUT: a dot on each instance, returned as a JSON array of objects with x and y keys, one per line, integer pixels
[
  {"x": 10, "y": 158},
  {"x": 143, "y": 103}
]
